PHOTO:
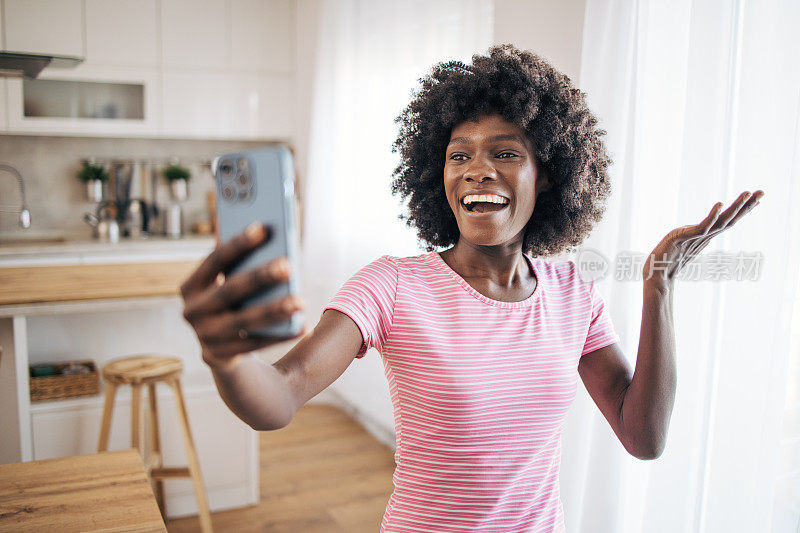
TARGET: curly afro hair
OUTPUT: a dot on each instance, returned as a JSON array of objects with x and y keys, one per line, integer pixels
[{"x": 527, "y": 91}]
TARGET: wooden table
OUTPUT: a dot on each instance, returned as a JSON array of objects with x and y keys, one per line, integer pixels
[{"x": 107, "y": 491}]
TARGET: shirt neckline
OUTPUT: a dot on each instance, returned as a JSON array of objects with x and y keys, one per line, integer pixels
[{"x": 443, "y": 266}]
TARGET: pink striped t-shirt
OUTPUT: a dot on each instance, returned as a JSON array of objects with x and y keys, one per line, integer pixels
[{"x": 480, "y": 389}]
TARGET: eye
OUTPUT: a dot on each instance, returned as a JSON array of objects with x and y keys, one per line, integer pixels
[
  {"x": 458, "y": 157},
  {"x": 506, "y": 155}
]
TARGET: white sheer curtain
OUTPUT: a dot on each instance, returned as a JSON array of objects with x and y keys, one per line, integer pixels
[
  {"x": 370, "y": 54},
  {"x": 701, "y": 102}
]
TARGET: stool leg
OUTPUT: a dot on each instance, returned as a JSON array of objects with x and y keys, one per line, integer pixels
[
  {"x": 136, "y": 403},
  {"x": 105, "y": 424},
  {"x": 191, "y": 455},
  {"x": 155, "y": 445}
]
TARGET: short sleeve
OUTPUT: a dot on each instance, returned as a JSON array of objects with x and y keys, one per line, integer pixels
[
  {"x": 368, "y": 299},
  {"x": 601, "y": 330}
]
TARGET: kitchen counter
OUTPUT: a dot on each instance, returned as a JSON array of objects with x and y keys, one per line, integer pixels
[
  {"x": 80, "y": 249},
  {"x": 78, "y": 298},
  {"x": 81, "y": 269}
]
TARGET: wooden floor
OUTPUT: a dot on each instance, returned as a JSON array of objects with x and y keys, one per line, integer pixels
[{"x": 323, "y": 473}]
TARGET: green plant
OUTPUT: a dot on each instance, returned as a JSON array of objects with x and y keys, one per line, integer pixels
[
  {"x": 89, "y": 171},
  {"x": 176, "y": 172}
]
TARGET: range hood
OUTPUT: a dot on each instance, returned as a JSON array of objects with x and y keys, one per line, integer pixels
[{"x": 17, "y": 65}]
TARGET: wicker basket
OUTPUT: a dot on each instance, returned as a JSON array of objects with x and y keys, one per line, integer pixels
[{"x": 65, "y": 385}]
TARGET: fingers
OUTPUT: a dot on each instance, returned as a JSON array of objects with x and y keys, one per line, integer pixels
[
  {"x": 718, "y": 221},
  {"x": 224, "y": 328},
  {"x": 743, "y": 204},
  {"x": 711, "y": 219},
  {"x": 224, "y": 256},
  {"x": 238, "y": 287},
  {"x": 747, "y": 207},
  {"x": 715, "y": 223}
]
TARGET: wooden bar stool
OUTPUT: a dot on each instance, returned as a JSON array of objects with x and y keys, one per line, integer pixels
[{"x": 137, "y": 371}]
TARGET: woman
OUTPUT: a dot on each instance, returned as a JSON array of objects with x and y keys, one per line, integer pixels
[{"x": 483, "y": 342}]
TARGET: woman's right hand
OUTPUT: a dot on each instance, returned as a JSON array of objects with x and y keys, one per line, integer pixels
[{"x": 209, "y": 306}]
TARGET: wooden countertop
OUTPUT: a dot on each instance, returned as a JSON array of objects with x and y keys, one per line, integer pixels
[
  {"x": 76, "y": 271},
  {"x": 63, "y": 283},
  {"x": 107, "y": 491}
]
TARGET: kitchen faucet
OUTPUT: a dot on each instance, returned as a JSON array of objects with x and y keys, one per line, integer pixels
[{"x": 24, "y": 214}]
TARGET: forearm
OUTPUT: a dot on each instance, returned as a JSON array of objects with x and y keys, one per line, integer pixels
[
  {"x": 649, "y": 399},
  {"x": 256, "y": 392}
]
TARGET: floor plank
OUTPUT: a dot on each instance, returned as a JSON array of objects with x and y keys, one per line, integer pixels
[{"x": 323, "y": 473}]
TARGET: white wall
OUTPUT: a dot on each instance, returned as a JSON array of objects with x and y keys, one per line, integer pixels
[{"x": 552, "y": 29}]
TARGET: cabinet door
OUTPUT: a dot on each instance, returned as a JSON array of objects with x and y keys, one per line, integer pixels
[
  {"x": 104, "y": 101},
  {"x": 73, "y": 428},
  {"x": 122, "y": 33},
  {"x": 265, "y": 105},
  {"x": 195, "y": 34},
  {"x": 44, "y": 26},
  {"x": 224, "y": 105},
  {"x": 262, "y": 35}
]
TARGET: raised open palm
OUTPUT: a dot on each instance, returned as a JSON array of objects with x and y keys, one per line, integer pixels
[{"x": 682, "y": 244}]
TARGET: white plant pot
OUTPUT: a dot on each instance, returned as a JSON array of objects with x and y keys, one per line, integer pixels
[
  {"x": 94, "y": 190},
  {"x": 179, "y": 190}
]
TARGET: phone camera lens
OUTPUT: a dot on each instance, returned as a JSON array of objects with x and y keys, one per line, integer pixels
[
  {"x": 228, "y": 193},
  {"x": 244, "y": 195},
  {"x": 244, "y": 178},
  {"x": 226, "y": 170}
]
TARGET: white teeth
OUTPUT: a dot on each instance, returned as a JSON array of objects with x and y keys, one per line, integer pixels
[{"x": 492, "y": 198}]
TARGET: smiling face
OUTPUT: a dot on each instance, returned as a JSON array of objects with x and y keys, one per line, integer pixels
[{"x": 491, "y": 181}]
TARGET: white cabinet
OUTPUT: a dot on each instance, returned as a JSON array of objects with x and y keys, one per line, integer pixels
[
  {"x": 72, "y": 427},
  {"x": 195, "y": 34},
  {"x": 44, "y": 26},
  {"x": 227, "y": 105},
  {"x": 140, "y": 90},
  {"x": 122, "y": 33},
  {"x": 262, "y": 35},
  {"x": 228, "y": 69},
  {"x": 212, "y": 69}
]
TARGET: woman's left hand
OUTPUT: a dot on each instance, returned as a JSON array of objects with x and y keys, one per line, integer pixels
[{"x": 681, "y": 245}]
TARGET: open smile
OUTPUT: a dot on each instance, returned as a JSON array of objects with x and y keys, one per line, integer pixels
[{"x": 482, "y": 205}]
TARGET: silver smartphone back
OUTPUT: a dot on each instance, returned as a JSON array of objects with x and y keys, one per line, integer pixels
[{"x": 258, "y": 185}]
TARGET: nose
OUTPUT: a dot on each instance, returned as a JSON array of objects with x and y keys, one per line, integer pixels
[{"x": 480, "y": 170}]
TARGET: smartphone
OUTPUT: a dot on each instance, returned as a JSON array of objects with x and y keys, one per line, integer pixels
[{"x": 258, "y": 185}]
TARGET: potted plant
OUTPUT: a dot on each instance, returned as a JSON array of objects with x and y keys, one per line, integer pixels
[
  {"x": 177, "y": 176},
  {"x": 94, "y": 176}
]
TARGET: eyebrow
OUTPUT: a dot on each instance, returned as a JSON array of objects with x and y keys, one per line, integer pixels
[{"x": 503, "y": 137}]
